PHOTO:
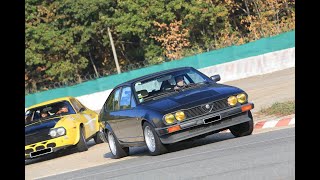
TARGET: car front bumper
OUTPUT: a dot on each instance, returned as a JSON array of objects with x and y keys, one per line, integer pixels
[
  {"x": 197, "y": 127},
  {"x": 48, "y": 146}
]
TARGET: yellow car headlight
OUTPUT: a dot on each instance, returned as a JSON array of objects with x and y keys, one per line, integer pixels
[
  {"x": 232, "y": 100},
  {"x": 241, "y": 98},
  {"x": 180, "y": 116},
  {"x": 60, "y": 131},
  {"x": 169, "y": 118}
]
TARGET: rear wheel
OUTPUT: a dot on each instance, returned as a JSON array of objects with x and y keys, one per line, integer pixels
[
  {"x": 97, "y": 138},
  {"x": 152, "y": 140},
  {"x": 116, "y": 150},
  {"x": 82, "y": 144},
  {"x": 243, "y": 129}
]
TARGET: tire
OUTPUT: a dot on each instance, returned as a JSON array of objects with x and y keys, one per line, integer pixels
[
  {"x": 97, "y": 138},
  {"x": 154, "y": 145},
  {"x": 243, "y": 129},
  {"x": 82, "y": 144},
  {"x": 116, "y": 150}
]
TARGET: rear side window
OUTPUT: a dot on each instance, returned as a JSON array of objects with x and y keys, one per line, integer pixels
[
  {"x": 77, "y": 106},
  {"x": 113, "y": 101}
]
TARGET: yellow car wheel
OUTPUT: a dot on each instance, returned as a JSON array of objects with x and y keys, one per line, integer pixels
[
  {"x": 82, "y": 144},
  {"x": 97, "y": 138}
]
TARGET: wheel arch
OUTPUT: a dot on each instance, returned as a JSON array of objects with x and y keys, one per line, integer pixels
[
  {"x": 78, "y": 127},
  {"x": 107, "y": 128},
  {"x": 148, "y": 121}
]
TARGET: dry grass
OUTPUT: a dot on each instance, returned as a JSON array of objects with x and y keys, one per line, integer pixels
[{"x": 281, "y": 109}]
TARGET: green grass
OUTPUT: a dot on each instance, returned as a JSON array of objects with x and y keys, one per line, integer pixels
[{"x": 282, "y": 109}]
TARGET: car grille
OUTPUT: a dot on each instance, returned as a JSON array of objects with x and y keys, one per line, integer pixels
[
  {"x": 39, "y": 136},
  {"x": 39, "y": 148},
  {"x": 202, "y": 110},
  {"x": 51, "y": 145},
  {"x": 28, "y": 151}
]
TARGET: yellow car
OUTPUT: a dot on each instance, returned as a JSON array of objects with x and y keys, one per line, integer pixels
[{"x": 57, "y": 124}]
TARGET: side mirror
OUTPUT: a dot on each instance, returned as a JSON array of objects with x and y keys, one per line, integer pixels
[
  {"x": 81, "y": 109},
  {"x": 216, "y": 78}
]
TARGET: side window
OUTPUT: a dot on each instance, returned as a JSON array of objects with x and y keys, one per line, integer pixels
[
  {"x": 186, "y": 80},
  {"x": 125, "y": 98},
  {"x": 112, "y": 102},
  {"x": 109, "y": 105},
  {"x": 116, "y": 100},
  {"x": 59, "y": 106},
  {"x": 77, "y": 106},
  {"x": 28, "y": 117},
  {"x": 133, "y": 101}
]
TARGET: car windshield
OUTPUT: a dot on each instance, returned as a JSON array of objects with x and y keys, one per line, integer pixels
[
  {"x": 168, "y": 84},
  {"x": 48, "y": 111}
]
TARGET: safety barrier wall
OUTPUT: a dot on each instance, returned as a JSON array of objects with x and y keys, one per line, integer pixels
[{"x": 234, "y": 62}]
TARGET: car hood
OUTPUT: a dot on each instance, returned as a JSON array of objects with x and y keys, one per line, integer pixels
[
  {"x": 192, "y": 97},
  {"x": 41, "y": 125}
]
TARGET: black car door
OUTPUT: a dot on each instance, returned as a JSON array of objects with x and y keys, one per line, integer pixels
[
  {"x": 111, "y": 108},
  {"x": 128, "y": 123}
]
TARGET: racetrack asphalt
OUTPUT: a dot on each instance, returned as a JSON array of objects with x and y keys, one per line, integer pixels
[{"x": 269, "y": 155}]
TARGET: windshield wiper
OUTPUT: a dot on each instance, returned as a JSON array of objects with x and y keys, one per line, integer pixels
[
  {"x": 161, "y": 95},
  {"x": 191, "y": 86}
]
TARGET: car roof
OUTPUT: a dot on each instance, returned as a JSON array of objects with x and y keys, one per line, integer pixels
[
  {"x": 152, "y": 75},
  {"x": 67, "y": 98}
]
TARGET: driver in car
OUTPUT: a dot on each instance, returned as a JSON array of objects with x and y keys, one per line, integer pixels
[
  {"x": 44, "y": 114},
  {"x": 63, "y": 109},
  {"x": 180, "y": 83}
]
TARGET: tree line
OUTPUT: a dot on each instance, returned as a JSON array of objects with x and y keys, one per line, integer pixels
[{"x": 66, "y": 39}]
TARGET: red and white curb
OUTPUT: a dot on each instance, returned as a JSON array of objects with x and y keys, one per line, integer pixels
[
  {"x": 285, "y": 121},
  {"x": 275, "y": 123}
]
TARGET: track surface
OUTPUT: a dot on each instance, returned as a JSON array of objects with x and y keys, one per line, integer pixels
[{"x": 268, "y": 155}]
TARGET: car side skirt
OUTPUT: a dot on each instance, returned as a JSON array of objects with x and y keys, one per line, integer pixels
[{"x": 132, "y": 144}]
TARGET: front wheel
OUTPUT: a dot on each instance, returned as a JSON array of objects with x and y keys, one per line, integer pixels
[
  {"x": 82, "y": 144},
  {"x": 116, "y": 150},
  {"x": 243, "y": 129},
  {"x": 152, "y": 140}
]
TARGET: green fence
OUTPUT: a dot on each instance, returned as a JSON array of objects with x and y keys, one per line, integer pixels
[{"x": 232, "y": 53}]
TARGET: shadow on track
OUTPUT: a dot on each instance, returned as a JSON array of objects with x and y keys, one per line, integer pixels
[{"x": 187, "y": 144}]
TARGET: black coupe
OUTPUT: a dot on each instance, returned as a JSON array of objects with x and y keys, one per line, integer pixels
[{"x": 171, "y": 106}]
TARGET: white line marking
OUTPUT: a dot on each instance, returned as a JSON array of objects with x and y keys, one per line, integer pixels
[
  {"x": 270, "y": 124},
  {"x": 292, "y": 121}
]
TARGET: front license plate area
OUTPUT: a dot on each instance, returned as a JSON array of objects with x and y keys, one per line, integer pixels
[
  {"x": 41, "y": 152},
  {"x": 212, "y": 119}
]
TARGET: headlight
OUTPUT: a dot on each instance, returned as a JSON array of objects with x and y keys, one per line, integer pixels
[
  {"x": 180, "y": 116},
  {"x": 61, "y": 131},
  {"x": 241, "y": 98},
  {"x": 232, "y": 100},
  {"x": 57, "y": 132},
  {"x": 169, "y": 118},
  {"x": 53, "y": 133}
]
